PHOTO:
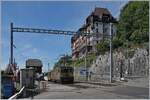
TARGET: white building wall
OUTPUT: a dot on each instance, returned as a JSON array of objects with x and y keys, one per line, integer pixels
[
  {"x": 100, "y": 27},
  {"x": 107, "y": 26},
  {"x": 92, "y": 41},
  {"x": 114, "y": 29}
]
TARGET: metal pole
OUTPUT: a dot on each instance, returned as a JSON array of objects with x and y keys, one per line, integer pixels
[
  {"x": 86, "y": 59},
  {"x": 128, "y": 58},
  {"x": 48, "y": 67},
  {"x": 11, "y": 43},
  {"x": 111, "y": 56}
]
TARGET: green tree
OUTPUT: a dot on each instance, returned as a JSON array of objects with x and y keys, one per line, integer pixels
[
  {"x": 116, "y": 42},
  {"x": 65, "y": 60},
  {"x": 134, "y": 22},
  {"x": 102, "y": 47}
]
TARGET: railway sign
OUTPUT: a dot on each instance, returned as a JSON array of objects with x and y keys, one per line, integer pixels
[{"x": 83, "y": 71}]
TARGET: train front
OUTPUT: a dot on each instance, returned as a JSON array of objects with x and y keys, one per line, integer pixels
[{"x": 67, "y": 75}]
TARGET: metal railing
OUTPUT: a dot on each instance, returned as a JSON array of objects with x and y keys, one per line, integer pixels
[{"x": 17, "y": 94}]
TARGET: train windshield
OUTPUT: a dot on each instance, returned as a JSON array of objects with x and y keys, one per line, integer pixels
[{"x": 67, "y": 70}]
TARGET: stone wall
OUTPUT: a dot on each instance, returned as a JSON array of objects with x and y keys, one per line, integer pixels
[
  {"x": 80, "y": 74},
  {"x": 136, "y": 63}
]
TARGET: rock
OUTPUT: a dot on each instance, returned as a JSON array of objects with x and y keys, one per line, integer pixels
[{"x": 136, "y": 65}]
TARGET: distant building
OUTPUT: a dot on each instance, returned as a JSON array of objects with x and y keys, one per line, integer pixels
[
  {"x": 97, "y": 22},
  {"x": 36, "y": 64}
]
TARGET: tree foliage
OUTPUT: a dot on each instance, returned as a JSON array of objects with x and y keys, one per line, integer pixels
[
  {"x": 102, "y": 47},
  {"x": 116, "y": 42},
  {"x": 64, "y": 61},
  {"x": 134, "y": 22}
]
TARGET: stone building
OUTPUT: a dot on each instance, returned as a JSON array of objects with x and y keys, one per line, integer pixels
[{"x": 97, "y": 22}]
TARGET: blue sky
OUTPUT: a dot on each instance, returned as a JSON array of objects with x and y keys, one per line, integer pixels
[{"x": 48, "y": 15}]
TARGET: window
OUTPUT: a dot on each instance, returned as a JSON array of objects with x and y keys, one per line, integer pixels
[
  {"x": 104, "y": 28},
  {"x": 92, "y": 27},
  {"x": 97, "y": 24},
  {"x": 27, "y": 75},
  {"x": 97, "y": 30}
]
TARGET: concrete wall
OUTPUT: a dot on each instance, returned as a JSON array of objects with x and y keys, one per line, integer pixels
[
  {"x": 79, "y": 74},
  {"x": 27, "y": 76}
]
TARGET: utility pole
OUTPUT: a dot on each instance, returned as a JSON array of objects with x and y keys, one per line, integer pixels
[
  {"x": 11, "y": 43},
  {"x": 111, "y": 55},
  {"x": 48, "y": 67},
  {"x": 64, "y": 60},
  {"x": 128, "y": 57},
  {"x": 86, "y": 59}
]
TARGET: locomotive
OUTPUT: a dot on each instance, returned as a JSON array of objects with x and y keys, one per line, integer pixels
[{"x": 61, "y": 75}]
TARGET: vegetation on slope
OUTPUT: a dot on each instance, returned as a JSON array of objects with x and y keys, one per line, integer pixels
[
  {"x": 132, "y": 28},
  {"x": 67, "y": 61}
]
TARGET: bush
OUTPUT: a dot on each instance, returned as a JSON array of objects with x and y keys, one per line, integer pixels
[
  {"x": 116, "y": 43},
  {"x": 90, "y": 57},
  {"x": 102, "y": 47}
]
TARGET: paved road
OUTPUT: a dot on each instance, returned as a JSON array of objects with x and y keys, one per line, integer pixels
[{"x": 90, "y": 91}]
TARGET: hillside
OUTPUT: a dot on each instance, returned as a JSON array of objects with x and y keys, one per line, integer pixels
[{"x": 132, "y": 32}]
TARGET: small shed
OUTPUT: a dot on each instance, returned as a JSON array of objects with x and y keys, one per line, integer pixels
[
  {"x": 27, "y": 76},
  {"x": 36, "y": 64}
]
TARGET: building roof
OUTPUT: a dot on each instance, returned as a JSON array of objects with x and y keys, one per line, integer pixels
[
  {"x": 34, "y": 62},
  {"x": 96, "y": 13},
  {"x": 100, "y": 11}
]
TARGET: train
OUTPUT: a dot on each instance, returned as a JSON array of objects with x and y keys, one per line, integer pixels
[{"x": 61, "y": 75}]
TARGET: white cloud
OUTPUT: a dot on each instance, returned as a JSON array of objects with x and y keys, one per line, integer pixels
[
  {"x": 26, "y": 51},
  {"x": 45, "y": 39},
  {"x": 34, "y": 50},
  {"x": 27, "y": 46},
  {"x": 4, "y": 43}
]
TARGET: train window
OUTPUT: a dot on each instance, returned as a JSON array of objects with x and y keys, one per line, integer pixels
[
  {"x": 66, "y": 70},
  {"x": 27, "y": 75}
]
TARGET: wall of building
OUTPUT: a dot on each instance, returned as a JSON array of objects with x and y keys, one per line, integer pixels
[
  {"x": 79, "y": 74},
  {"x": 94, "y": 24},
  {"x": 27, "y": 77}
]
